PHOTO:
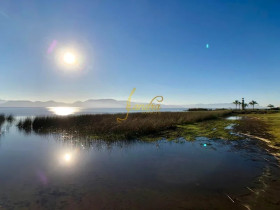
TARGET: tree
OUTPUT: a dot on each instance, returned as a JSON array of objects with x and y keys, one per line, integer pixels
[
  {"x": 239, "y": 104},
  {"x": 246, "y": 105},
  {"x": 236, "y": 102},
  {"x": 253, "y": 103},
  {"x": 270, "y": 106}
]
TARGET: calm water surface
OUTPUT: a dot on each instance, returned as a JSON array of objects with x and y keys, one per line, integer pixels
[
  {"x": 42, "y": 111},
  {"x": 60, "y": 172}
]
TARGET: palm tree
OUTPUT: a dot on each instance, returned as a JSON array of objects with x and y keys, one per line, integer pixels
[
  {"x": 245, "y": 105},
  {"x": 270, "y": 106},
  {"x": 236, "y": 102},
  {"x": 253, "y": 103},
  {"x": 239, "y": 104}
]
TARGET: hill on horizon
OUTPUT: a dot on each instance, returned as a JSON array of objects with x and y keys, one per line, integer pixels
[{"x": 106, "y": 103}]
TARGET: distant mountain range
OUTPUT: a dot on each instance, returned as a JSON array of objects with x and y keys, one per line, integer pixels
[
  {"x": 105, "y": 103},
  {"x": 92, "y": 103}
]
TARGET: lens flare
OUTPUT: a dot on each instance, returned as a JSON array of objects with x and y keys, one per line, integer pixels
[{"x": 52, "y": 46}]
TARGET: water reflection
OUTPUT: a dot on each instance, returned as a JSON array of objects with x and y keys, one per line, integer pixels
[
  {"x": 5, "y": 127},
  {"x": 234, "y": 118},
  {"x": 64, "y": 171},
  {"x": 67, "y": 157},
  {"x": 64, "y": 111}
]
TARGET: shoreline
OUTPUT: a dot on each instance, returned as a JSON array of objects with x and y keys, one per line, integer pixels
[{"x": 138, "y": 124}]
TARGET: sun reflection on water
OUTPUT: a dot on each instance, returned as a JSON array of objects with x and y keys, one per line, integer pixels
[
  {"x": 63, "y": 111},
  {"x": 67, "y": 157}
]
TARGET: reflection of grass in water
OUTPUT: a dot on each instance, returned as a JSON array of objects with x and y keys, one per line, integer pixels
[
  {"x": 8, "y": 119},
  {"x": 105, "y": 125}
]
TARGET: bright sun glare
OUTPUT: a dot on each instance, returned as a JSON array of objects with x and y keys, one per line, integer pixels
[
  {"x": 63, "y": 111},
  {"x": 69, "y": 58}
]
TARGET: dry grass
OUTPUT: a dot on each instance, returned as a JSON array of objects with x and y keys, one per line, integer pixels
[{"x": 136, "y": 125}]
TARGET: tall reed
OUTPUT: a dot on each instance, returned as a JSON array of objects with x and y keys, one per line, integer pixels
[{"x": 106, "y": 124}]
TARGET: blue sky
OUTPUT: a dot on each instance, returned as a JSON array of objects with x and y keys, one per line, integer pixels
[{"x": 158, "y": 47}]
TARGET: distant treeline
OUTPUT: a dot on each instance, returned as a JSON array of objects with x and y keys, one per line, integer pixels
[
  {"x": 256, "y": 111},
  {"x": 204, "y": 109}
]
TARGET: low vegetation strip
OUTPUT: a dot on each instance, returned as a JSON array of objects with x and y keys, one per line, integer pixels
[
  {"x": 106, "y": 124},
  {"x": 262, "y": 125},
  {"x": 2, "y": 119}
]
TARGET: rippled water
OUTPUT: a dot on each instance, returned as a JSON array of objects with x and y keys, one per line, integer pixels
[{"x": 60, "y": 172}]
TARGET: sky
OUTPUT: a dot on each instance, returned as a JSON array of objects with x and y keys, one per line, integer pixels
[{"x": 186, "y": 51}]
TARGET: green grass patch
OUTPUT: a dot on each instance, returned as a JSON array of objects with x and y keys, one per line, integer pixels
[
  {"x": 213, "y": 129},
  {"x": 272, "y": 123}
]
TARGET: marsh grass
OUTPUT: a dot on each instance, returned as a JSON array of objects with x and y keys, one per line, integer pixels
[
  {"x": 2, "y": 119},
  {"x": 25, "y": 124},
  {"x": 10, "y": 118},
  {"x": 106, "y": 125}
]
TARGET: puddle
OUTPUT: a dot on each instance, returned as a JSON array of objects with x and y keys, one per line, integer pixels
[{"x": 234, "y": 118}]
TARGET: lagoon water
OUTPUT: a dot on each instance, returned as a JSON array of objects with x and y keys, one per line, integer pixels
[
  {"x": 42, "y": 111},
  {"x": 57, "y": 171}
]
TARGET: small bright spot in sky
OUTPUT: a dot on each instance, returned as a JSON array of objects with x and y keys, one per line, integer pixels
[
  {"x": 207, "y": 46},
  {"x": 204, "y": 145}
]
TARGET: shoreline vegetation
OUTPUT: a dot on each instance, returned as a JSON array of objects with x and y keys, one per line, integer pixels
[
  {"x": 8, "y": 118},
  {"x": 3, "y": 119},
  {"x": 106, "y": 125},
  {"x": 262, "y": 124}
]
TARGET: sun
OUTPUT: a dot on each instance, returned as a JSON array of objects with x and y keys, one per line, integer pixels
[{"x": 69, "y": 58}]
